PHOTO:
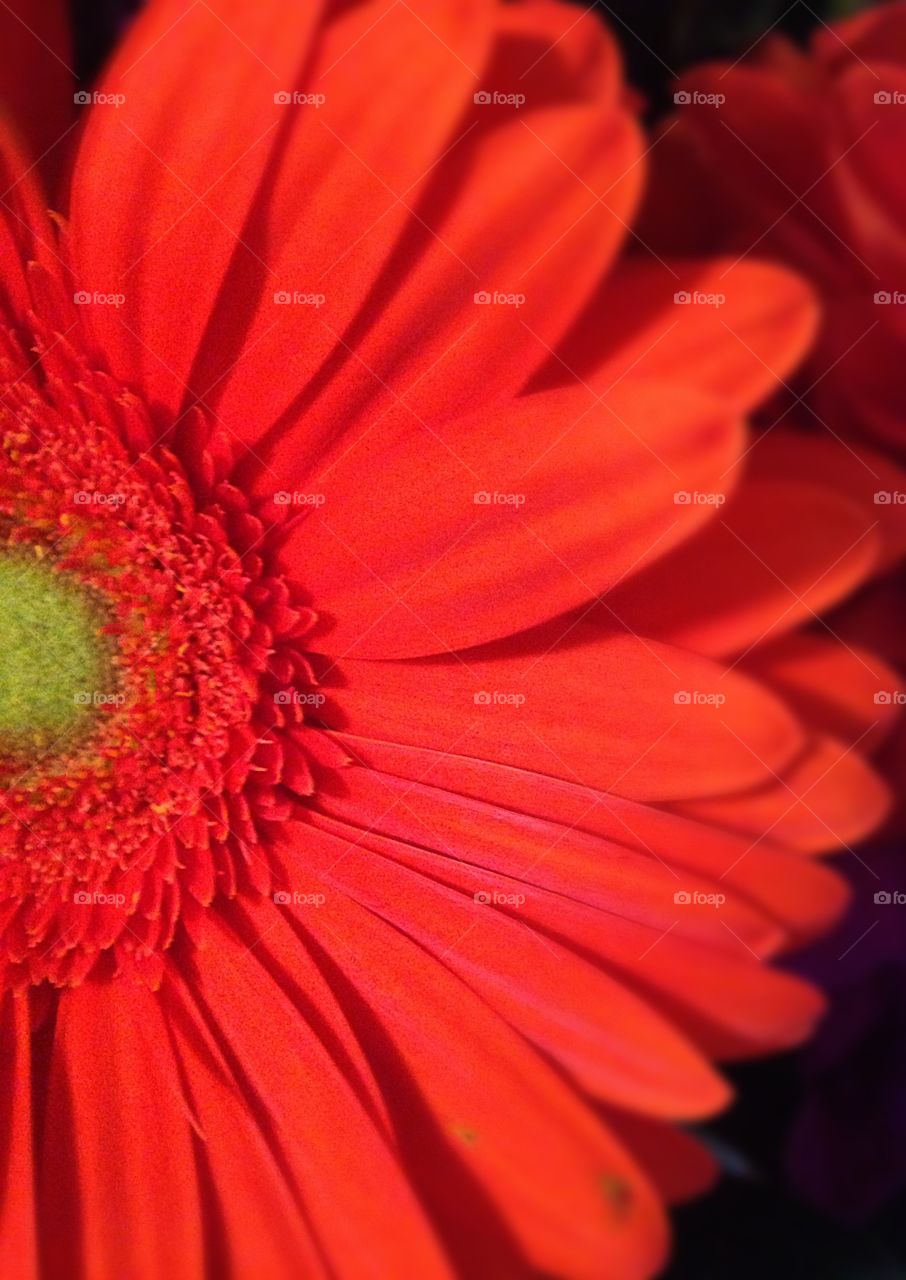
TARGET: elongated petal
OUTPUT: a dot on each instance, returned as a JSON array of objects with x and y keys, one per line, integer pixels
[
  {"x": 611, "y": 711},
  {"x": 487, "y": 525},
  {"x": 734, "y": 328},
  {"x": 118, "y": 1175},
  {"x": 777, "y": 556},
  {"x": 193, "y": 175},
  {"x": 492, "y": 1117}
]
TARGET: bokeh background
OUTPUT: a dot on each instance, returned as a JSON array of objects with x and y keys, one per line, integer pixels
[{"x": 814, "y": 1151}]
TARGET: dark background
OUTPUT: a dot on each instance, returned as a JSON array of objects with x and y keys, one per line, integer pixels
[{"x": 756, "y": 1226}]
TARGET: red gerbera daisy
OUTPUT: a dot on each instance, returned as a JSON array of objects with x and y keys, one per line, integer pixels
[{"x": 390, "y": 841}]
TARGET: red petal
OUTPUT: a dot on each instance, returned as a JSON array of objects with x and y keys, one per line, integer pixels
[
  {"x": 18, "y": 1247},
  {"x": 614, "y": 712},
  {"x": 487, "y": 525},
  {"x": 534, "y": 209},
  {"x": 345, "y": 1172},
  {"x": 119, "y": 1178},
  {"x": 779, "y": 554},
  {"x": 36, "y": 76},
  {"x": 160, "y": 197},
  {"x": 733, "y": 329},
  {"x": 830, "y": 798},
  {"x": 631, "y": 1056},
  {"x": 803, "y": 897},
  {"x": 489, "y": 1112},
  {"x": 349, "y": 179}
]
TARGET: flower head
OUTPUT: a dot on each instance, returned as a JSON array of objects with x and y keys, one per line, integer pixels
[{"x": 426, "y": 806}]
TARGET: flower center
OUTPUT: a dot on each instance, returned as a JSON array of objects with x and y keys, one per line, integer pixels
[
  {"x": 54, "y": 666},
  {"x": 152, "y": 677}
]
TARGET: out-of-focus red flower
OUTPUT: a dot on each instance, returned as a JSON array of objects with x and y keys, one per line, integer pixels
[
  {"x": 796, "y": 155},
  {"x": 419, "y": 848}
]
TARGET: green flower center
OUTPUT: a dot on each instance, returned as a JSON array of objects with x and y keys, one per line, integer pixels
[{"x": 54, "y": 661}]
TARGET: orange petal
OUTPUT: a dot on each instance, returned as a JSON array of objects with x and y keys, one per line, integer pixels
[{"x": 839, "y": 689}]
